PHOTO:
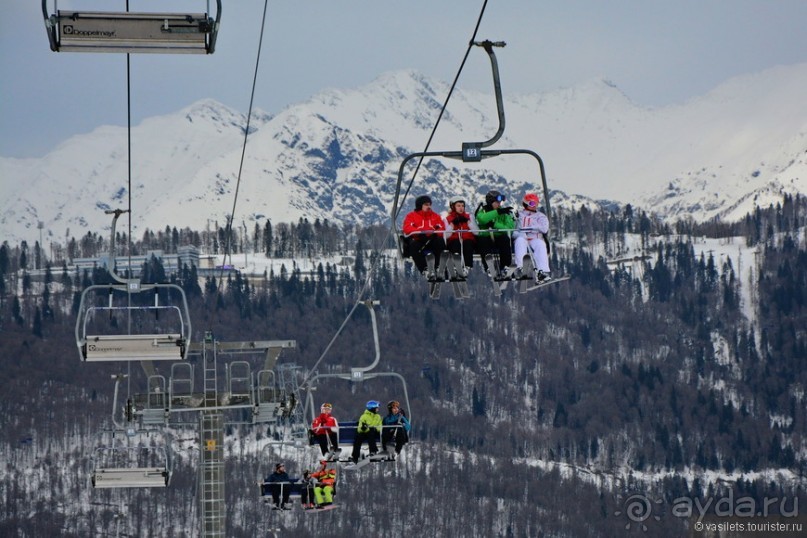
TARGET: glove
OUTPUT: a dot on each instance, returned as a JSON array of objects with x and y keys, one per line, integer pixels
[
  {"x": 459, "y": 219},
  {"x": 504, "y": 210}
]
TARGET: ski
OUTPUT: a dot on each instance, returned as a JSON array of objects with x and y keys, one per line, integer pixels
[
  {"x": 527, "y": 272},
  {"x": 431, "y": 275},
  {"x": 456, "y": 274},
  {"x": 492, "y": 271}
]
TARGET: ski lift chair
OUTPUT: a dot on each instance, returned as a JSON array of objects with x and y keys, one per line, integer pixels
[
  {"x": 93, "y": 31},
  {"x": 101, "y": 347},
  {"x": 278, "y": 451},
  {"x": 348, "y": 429},
  {"x": 132, "y": 463},
  {"x": 108, "y": 343},
  {"x": 471, "y": 152}
]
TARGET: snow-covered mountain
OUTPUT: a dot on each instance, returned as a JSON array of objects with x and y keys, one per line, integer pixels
[{"x": 337, "y": 156}]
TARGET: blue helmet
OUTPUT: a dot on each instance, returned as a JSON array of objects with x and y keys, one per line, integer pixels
[{"x": 372, "y": 404}]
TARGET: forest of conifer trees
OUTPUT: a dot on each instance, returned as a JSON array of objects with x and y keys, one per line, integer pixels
[{"x": 536, "y": 414}]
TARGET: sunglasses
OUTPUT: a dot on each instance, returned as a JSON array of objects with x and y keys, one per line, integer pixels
[
  {"x": 500, "y": 198},
  {"x": 532, "y": 203}
]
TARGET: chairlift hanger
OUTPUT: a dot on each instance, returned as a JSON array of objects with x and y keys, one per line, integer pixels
[{"x": 129, "y": 32}]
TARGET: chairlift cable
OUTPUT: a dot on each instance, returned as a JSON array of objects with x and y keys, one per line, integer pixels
[
  {"x": 443, "y": 109},
  {"x": 129, "y": 189},
  {"x": 378, "y": 248},
  {"x": 335, "y": 336},
  {"x": 229, "y": 229}
]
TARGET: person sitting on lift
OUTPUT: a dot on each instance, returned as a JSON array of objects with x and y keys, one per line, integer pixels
[
  {"x": 395, "y": 433},
  {"x": 460, "y": 232},
  {"x": 326, "y": 485},
  {"x": 495, "y": 224},
  {"x": 424, "y": 229},
  {"x": 325, "y": 428},
  {"x": 367, "y": 430},
  {"x": 280, "y": 487},
  {"x": 532, "y": 229},
  {"x": 307, "y": 492}
]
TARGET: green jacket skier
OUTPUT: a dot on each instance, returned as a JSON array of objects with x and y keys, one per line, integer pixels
[
  {"x": 368, "y": 429},
  {"x": 501, "y": 222}
]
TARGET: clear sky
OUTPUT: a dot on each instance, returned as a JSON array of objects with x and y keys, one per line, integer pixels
[{"x": 657, "y": 52}]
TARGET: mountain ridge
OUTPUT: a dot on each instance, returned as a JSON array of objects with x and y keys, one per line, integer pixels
[{"x": 336, "y": 155}]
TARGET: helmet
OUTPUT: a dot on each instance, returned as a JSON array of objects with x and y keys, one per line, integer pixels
[
  {"x": 326, "y": 406},
  {"x": 372, "y": 404},
  {"x": 494, "y": 196},
  {"x": 420, "y": 200},
  {"x": 452, "y": 202},
  {"x": 393, "y": 403},
  {"x": 530, "y": 200}
]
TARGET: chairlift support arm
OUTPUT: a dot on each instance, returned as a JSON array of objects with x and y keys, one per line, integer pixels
[{"x": 497, "y": 89}]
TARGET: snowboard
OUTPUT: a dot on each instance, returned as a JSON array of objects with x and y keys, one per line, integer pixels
[
  {"x": 323, "y": 509},
  {"x": 532, "y": 285}
]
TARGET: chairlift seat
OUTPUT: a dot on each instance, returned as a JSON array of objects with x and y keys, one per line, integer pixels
[
  {"x": 133, "y": 347},
  {"x": 73, "y": 31},
  {"x": 121, "y": 477}
]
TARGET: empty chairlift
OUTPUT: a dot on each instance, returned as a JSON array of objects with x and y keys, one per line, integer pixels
[
  {"x": 132, "y": 459},
  {"x": 122, "y": 322},
  {"x": 94, "y": 31},
  {"x": 163, "y": 329}
]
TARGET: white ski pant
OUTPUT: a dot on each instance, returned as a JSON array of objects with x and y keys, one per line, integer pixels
[{"x": 538, "y": 247}]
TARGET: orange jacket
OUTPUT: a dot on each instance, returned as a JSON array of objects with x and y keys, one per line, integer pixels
[{"x": 325, "y": 477}]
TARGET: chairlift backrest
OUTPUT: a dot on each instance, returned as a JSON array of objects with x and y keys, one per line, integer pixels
[
  {"x": 181, "y": 382},
  {"x": 239, "y": 378},
  {"x": 94, "y": 31},
  {"x": 152, "y": 477},
  {"x": 157, "y": 396}
]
